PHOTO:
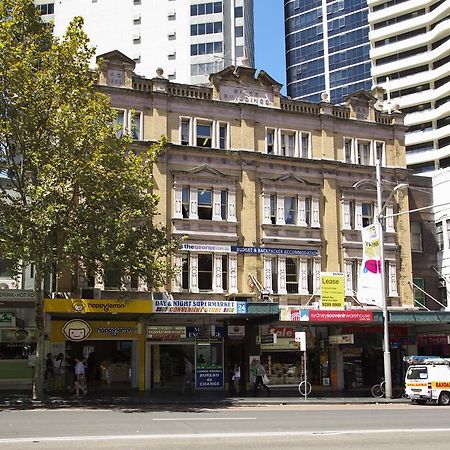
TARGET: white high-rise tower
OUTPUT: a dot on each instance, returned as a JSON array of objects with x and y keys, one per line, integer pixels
[{"x": 188, "y": 39}]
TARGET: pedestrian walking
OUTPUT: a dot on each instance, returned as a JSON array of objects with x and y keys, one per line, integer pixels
[
  {"x": 237, "y": 377},
  {"x": 259, "y": 379},
  {"x": 188, "y": 375},
  {"x": 49, "y": 372},
  {"x": 80, "y": 378},
  {"x": 59, "y": 372}
]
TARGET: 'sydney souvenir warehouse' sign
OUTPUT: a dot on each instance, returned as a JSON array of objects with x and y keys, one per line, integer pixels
[{"x": 199, "y": 307}]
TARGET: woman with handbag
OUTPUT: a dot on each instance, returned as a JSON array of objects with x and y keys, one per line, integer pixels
[{"x": 261, "y": 379}]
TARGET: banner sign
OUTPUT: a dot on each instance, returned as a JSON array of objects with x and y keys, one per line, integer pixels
[
  {"x": 209, "y": 378},
  {"x": 297, "y": 314},
  {"x": 83, "y": 306},
  {"x": 199, "y": 307},
  {"x": 206, "y": 248},
  {"x": 333, "y": 290},
  {"x": 23, "y": 295},
  {"x": 341, "y": 339},
  {"x": 79, "y": 330},
  {"x": 340, "y": 316},
  {"x": 166, "y": 333},
  {"x": 369, "y": 280},
  {"x": 274, "y": 251}
]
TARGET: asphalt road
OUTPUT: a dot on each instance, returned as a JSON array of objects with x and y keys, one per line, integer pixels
[{"x": 259, "y": 427}]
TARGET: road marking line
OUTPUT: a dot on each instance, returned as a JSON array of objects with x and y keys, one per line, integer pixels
[
  {"x": 218, "y": 435},
  {"x": 180, "y": 419}
]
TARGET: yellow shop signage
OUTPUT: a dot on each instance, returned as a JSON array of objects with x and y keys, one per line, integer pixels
[
  {"x": 81, "y": 330},
  {"x": 89, "y": 306}
]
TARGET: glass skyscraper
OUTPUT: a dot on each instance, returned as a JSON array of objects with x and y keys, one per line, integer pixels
[{"x": 327, "y": 48}]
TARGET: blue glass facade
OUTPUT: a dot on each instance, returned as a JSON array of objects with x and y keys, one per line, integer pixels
[{"x": 327, "y": 48}]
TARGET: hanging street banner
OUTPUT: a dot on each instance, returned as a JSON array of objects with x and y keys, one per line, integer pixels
[
  {"x": 369, "y": 280},
  {"x": 299, "y": 314},
  {"x": 199, "y": 307},
  {"x": 333, "y": 290}
]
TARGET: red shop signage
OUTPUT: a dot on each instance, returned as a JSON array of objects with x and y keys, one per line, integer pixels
[{"x": 340, "y": 316}]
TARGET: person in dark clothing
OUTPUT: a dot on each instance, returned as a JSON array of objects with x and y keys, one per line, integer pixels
[{"x": 49, "y": 371}]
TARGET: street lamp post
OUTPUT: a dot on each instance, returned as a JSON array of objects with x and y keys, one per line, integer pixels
[
  {"x": 386, "y": 351},
  {"x": 380, "y": 216}
]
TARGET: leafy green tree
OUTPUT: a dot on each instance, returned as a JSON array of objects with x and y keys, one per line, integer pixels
[{"x": 72, "y": 193}]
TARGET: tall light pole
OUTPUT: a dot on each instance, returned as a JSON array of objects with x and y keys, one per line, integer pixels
[{"x": 380, "y": 216}]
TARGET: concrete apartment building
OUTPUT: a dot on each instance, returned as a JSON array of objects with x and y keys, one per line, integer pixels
[{"x": 189, "y": 39}]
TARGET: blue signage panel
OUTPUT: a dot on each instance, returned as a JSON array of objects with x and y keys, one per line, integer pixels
[
  {"x": 209, "y": 378},
  {"x": 275, "y": 251}
]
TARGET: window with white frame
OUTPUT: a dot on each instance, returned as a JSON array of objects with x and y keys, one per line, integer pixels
[
  {"x": 351, "y": 269},
  {"x": 292, "y": 275},
  {"x": 205, "y": 203},
  {"x": 359, "y": 214},
  {"x": 363, "y": 151},
  {"x": 129, "y": 121},
  {"x": 364, "y": 156},
  {"x": 305, "y": 145},
  {"x": 206, "y": 272},
  {"x": 367, "y": 214},
  {"x": 119, "y": 122},
  {"x": 135, "y": 125},
  {"x": 288, "y": 143},
  {"x": 270, "y": 141},
  {"x": 291, "y": 209},
  {"x": 416, "y": 237},
  {"x": 204, "y": 133}
]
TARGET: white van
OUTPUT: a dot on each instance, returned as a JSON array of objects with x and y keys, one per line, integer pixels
[{"x": 428, "y": 379}]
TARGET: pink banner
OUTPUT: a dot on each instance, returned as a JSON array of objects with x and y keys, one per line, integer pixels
[{"x": 340, "y": 316}]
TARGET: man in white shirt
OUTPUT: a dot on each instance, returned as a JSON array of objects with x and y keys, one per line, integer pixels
[{"x": 80, "y": 378}]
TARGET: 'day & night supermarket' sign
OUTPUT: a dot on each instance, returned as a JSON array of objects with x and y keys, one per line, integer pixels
[{"x": 199, "y": 307}]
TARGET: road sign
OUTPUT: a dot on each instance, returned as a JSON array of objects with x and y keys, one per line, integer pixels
[{"x": 300, "y": 337}]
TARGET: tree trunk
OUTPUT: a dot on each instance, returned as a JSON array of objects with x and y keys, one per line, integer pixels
[{"x": 38, "y": 381}]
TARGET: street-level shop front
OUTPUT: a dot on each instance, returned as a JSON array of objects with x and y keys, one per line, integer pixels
[
  {"x": 102, "y": 335},
  {"x": 208, "y": 337},
  {"x": 18, "y": 337}
]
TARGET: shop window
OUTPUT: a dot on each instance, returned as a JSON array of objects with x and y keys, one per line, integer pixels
[
  {"x": 291, "y": 276},
  {"x": 367, "y": 214},
  {"x": 416, "y": 237},
  {"x": 290, "y": 210},
  {"x": 204, "y": 135},
  {"x": 205, "y": 272}
]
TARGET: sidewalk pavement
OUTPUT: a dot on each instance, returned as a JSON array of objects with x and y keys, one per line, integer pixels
[{"x": 134, "y": 399}]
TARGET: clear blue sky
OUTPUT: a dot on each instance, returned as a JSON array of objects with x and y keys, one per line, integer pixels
[{"x": 269, "y": 39}]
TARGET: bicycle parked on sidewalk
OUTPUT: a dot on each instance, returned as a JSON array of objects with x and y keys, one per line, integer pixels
[{"x": 379, "y": 390}]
